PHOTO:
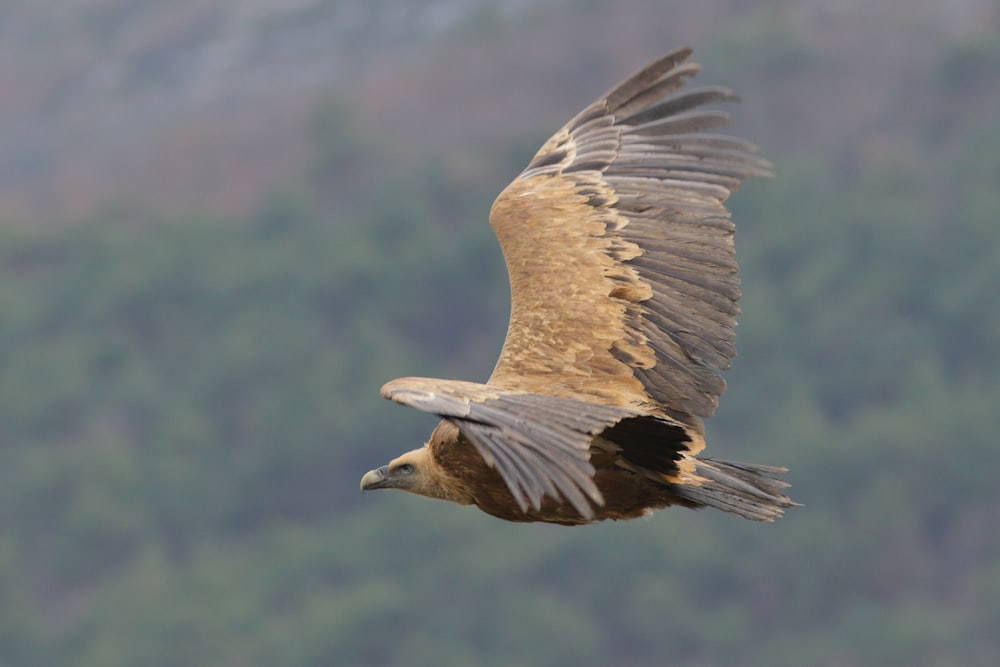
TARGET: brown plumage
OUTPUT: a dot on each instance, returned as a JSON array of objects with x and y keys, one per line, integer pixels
[{"x": 623, "y": 301}]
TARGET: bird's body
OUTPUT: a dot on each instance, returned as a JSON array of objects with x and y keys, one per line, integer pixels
[
  {"x": 623, "y": 301},
  {"x": 626, "y": 495}
]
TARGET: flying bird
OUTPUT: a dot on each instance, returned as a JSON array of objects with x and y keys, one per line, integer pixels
[{"x": 624, "y": 291}]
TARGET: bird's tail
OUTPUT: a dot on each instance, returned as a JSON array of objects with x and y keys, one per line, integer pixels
[{"x": 752, "y": 491}]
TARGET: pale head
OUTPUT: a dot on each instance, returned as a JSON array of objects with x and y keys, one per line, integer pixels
[{"x": 417, "y": 472}]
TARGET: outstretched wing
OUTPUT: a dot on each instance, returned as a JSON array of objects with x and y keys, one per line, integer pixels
[
  {"x": 619, "y": 250},
  {"x": 539, "y": 444}
]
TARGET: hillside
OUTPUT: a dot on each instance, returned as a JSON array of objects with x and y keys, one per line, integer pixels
[
  {"x": 168, "y": 107},
  {"x": 183, "y": 104},
  {"x": 201, "y": 296}
]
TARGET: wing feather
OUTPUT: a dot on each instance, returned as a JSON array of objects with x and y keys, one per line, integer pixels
[
  {"x": 662, "y": 76},
  {"x": 539, "y": 444},
  {"x": 677, "y": 104},
  {"x": 619, "y": 249}
]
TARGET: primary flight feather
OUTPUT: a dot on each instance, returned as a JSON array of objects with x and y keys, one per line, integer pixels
[{"x": 624, "y": 297}]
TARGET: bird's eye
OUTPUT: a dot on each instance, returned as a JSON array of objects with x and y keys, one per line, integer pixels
[{"x": 403, "y": 469}]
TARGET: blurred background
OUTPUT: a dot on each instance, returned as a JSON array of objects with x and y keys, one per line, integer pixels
[{"x": 223, "y": 225}]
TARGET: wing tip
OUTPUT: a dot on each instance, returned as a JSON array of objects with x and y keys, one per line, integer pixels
[
  {"x": 428, "y": 395},
  {"x": 648, "y": 76},
  {"x": 392, "y": 388}
]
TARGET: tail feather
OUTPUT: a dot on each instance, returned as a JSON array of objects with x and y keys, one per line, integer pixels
[{"x": 749, "y": 490}]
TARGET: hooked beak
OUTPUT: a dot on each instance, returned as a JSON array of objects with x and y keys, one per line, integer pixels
[{"x": 376, "y": 479}]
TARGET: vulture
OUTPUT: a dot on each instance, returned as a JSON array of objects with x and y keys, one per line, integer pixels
[{"x": 624, "y": 291}]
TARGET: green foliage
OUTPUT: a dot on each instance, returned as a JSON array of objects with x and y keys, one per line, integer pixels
[
  {"x": 186, "y": 408},
  {"x": 339, "y": 144},
  {"x": 764, "y": 46},
  {"x": 968, "y": 63}
]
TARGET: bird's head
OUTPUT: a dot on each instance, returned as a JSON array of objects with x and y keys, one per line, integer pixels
[
  {"x": 418, "y": 472},
  {"x": 409, "y": 472}
]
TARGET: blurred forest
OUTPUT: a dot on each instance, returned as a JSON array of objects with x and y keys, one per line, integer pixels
[{"x": 225, "y": 224}]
